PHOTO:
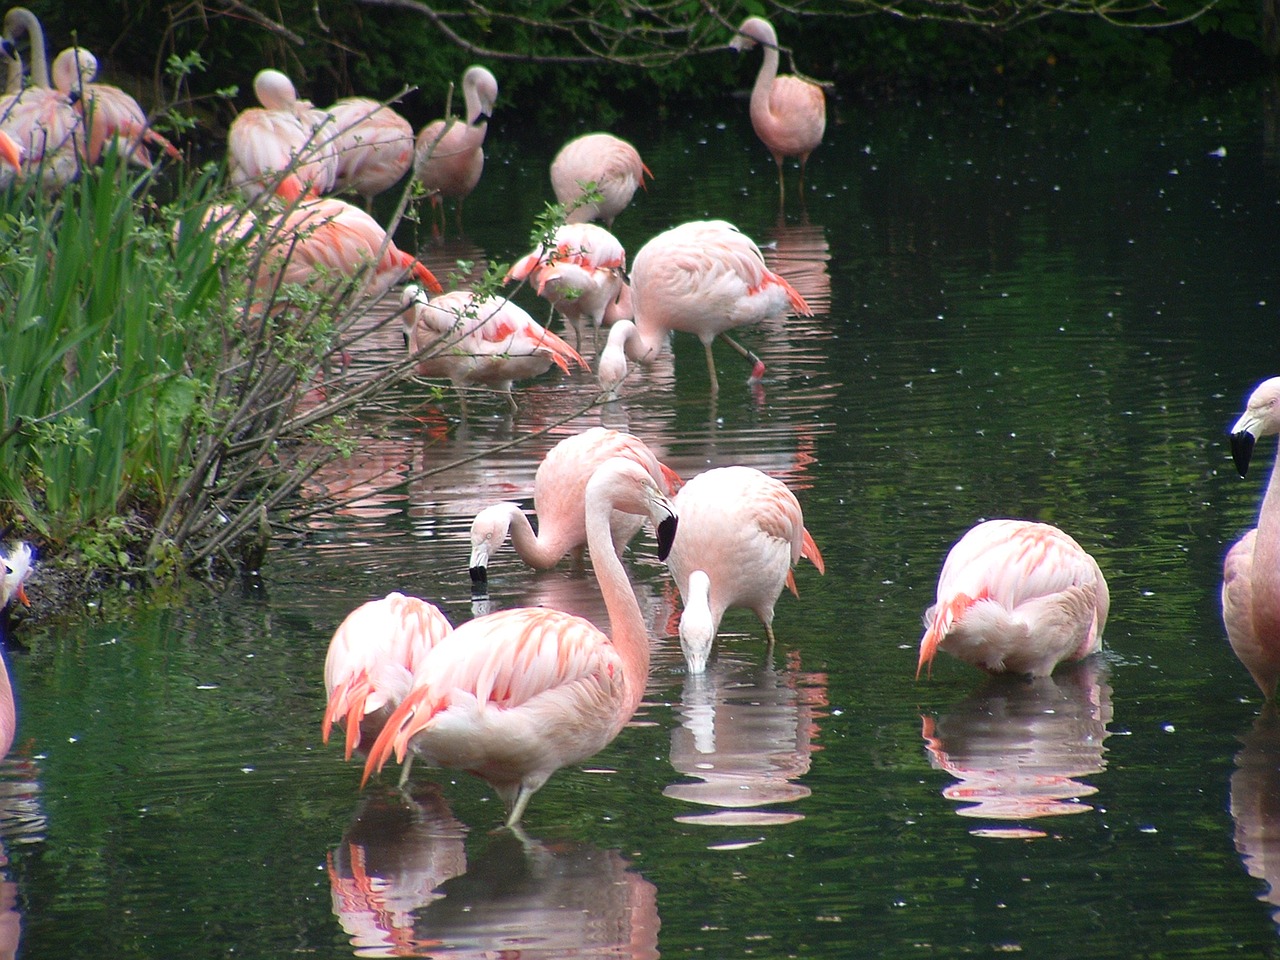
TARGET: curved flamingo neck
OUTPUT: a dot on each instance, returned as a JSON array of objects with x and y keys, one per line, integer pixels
[
  {"x": 471, "y": 96},
  {"x": 629, "y": 635},
  {"x": 541, "y": 550},
  {"x": 768, "y": 72},
  {"x": 1266, "y": 553},
  {"x": 24, "y": 20}
]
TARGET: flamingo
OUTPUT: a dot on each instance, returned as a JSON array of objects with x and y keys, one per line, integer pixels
[
  {"x": 581, "y": 274},
  {"x": 371, "y": 659},
  {"x": 788, "y": 113},
  {"x": 17, "y": 567},
  {"x": 486, "y": 341},
  {"x": 38, "y": 118},
  {"x": 703, "y": 277},
  {"x": 558, "y": 488},
  {"x": 110, "y": 114},
  {"x": 609, "y": 163},
  {"x": 318, "y": 239},
  {"x": 515, "y": 695},
  {"x": 1251, "y": 570},
  {"x": 374, "y": 146},
  {"x": 449, "y": 155},
  {"x": 279, "y": 147},
  {"x": 1018, "y": 597},
  {"x": 741, "y": 533}
]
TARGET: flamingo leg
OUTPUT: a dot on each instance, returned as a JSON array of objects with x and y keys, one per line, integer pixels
[
  {"x": 757, "y": 365},
  {"x": 517, "y": 808},
  {"x": 711, "y": 369},
  {"x": 404, "y": 771}
]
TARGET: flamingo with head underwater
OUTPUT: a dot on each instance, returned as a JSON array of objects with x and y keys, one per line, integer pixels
[
  {"x": 516, "y": 695},
  {"x": 1251, "y": 569}
]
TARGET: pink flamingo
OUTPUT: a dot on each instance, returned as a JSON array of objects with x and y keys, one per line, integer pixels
[
  {"x": 1251, "y": 570},
  {"x": 788, "y": 112},
  {"x": 110, "y": 114},
  {"x": 39, "y": 119},
  {"x": 1018, "y": 597},
  {"x": 317, "y": 240},
  {"x": 372, "y": 656},
  {"x": 515, "y": 695},
  {"x": 16, "y": 567},
  {"x": 741, "y": 533},
  {"x": 703, "y": 277},
  {"x": 374, "y": 146},
  {"x": 11, "y": 154},
  {"x": 609, "y": 163},
  {"x": 581, "y": 275},
  {"x": 280, "y": 146},
  {"x": 479, "y": 341},
  {"x": 449, "y": 155},
  {"x": 558, "y": 490}
]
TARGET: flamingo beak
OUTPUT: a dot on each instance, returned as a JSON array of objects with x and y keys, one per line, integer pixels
[
  {"x": 666, "y": 534},
  {"x": 1242, "y": 442}
]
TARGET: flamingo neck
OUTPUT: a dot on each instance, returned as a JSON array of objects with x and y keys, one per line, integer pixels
[
  {"x": 541, "y": 550},
  {"x": 768, "y": 73},
  {"x": 630, "y": 636},
  {"x": 24, "y": 20},
  {"x": 1266, "y": 553}
]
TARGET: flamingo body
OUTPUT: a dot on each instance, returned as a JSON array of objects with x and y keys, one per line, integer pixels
[
  {"x": 109, "y": 114},
  {"x": 581, "y": 275},
  {"x": 1251, "y": 569},
  {"x": 284, "y": 145},
  {"x": 1019, "y": 597},
  {"x": 789, "y": 114},
  {"x": 610, "y": 163},
  {"x": 371, "y": 659},
  {"x": 741, "y": 533},
  {"x": 374, "y": 145},
  {"x": 559, "y": 491},
  {"x": 449, "y": 154},
  {"x": 516, "y": 695},
  {"x": 39, "y": 119},
  {"x": 475, "y": 341},
  {"x": 16, "y": 567},
  {"x": 704, "y": 277}
]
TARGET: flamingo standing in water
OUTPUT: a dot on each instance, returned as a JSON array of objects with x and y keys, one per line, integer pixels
[
  {"x": 1016, "y": 597},
  {"x": 581, "y": 275},
  {"x": 374, "y": 146},
  {"x": 449, "y": 155},
  {"x": 110, "y": 114},
  {"x": 558, "y": 496},
  {"x": 703, "y": 277},
  {"x": 317, "y": 240},
  {"x": 479, "y": 341},
  {"x": 372, "y": 656},
  {"x": 788, "y": 113},
  {"x": 609, "y": 163},
  {"x": 41, "y": 120},
  {"x": 16, "y": 568},
  {"x": 741, "y": 533},
  {"x": 514, "y": 696},
  {"x": 1251, "y": 570},
  {"x": 284, "y": 146}
]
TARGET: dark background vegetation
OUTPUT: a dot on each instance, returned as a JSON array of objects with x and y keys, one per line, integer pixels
[{"x": 659, "y": 55}]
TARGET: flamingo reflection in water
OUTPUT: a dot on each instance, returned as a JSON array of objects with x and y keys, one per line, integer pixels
[
  {"x": 404, "y": 884},
  {"x": 745, "y": 739},
  {"x": 1255, "y": 805},
  {"x": 799, "y": 252},
  {"x": 1017, "y": 746}
]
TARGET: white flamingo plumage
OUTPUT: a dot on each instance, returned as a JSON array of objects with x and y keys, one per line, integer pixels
[
  {"x": 741, "y": 534},
  {"x": 369, "y": 667},
  {"x": 1251, "y": 569},
  {"x": 704, "y": 277},
  {"x": 559, "y": 489},
  {"x": 1016, "y": 596},
  {"x": 608, "y": 164},
  {"x": 788, "y": 113},
  {"x": 514, "y": 696}
]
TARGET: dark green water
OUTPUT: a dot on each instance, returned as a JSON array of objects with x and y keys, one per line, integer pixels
[{"x": 1028, "y": 310}]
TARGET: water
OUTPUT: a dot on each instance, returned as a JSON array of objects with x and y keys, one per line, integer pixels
[{"x": 1026, "y": 309}]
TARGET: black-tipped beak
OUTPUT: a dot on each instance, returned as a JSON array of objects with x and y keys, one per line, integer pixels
[
  {"x": 479, "y": 574},
  {"x": 666, "y": 536},
  {"x": 1242, "y": 442}
]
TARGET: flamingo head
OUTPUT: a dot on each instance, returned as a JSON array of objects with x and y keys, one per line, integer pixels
[
  {"x": 489, "y": 532},
  {"x": 697, "y": 623},
  {"x": 1261, "y": 418}
]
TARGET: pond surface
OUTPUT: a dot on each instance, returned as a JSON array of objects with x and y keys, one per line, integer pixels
[{"x": 1025, "y": 309}]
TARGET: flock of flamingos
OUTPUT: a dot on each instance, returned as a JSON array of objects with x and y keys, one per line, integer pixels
[{"x": 515, "y": 695}]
